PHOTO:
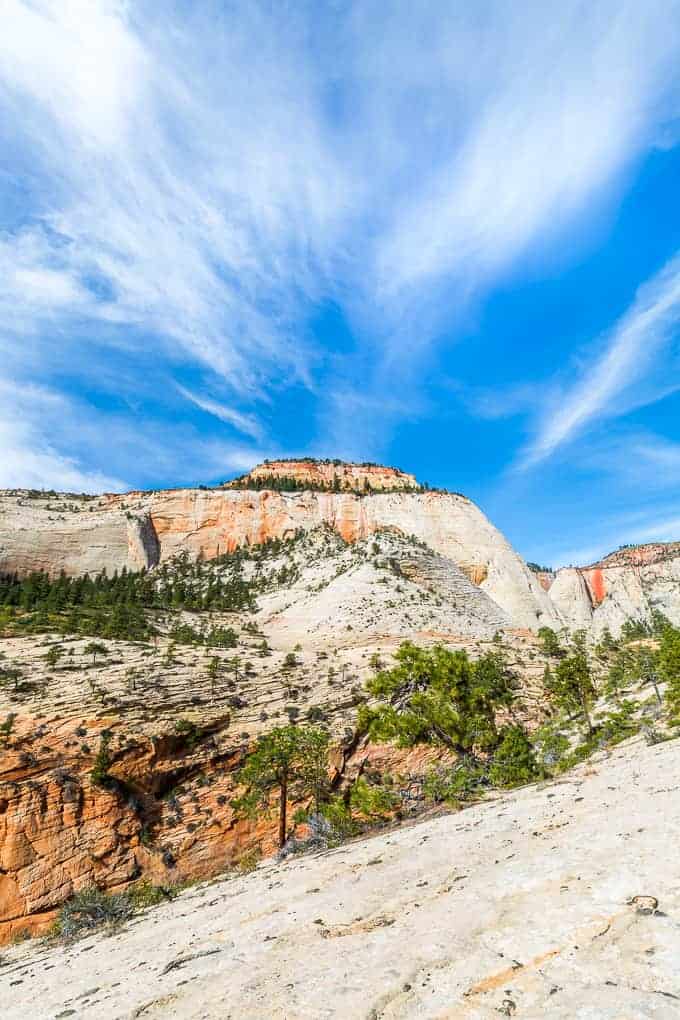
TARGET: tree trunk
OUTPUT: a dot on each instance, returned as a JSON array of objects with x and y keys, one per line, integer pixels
[{"x": 283, "y": 807}]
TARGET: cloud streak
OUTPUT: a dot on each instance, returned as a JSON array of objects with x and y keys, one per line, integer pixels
[
  {"x": 634, "y": 344},
  {"x": 245, "y": 423},
  {"x": 189, "y": 188}
]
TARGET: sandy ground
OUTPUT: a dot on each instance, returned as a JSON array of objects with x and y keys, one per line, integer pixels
[{"x": 535, "y": 904}]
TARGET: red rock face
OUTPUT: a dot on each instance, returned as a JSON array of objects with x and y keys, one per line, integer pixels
[
  {"x": 597, "y": 585},
  {"x": 639, "y": 555},
  {"x": 59, "y": 833}
]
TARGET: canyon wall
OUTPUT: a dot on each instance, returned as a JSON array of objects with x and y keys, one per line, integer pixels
[
  {"x": 142, "y": 528},
  {"x": 630, "y": 584}
]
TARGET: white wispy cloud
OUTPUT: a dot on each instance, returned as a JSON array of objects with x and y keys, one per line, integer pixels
[
  {"x": 29, "y": 459},
  {"x": 528, "y": 145},
  {"x": 634, "y": 343},
  {"x": 191, "y": 184},
  {"x": 37, "y": 423},
  {"x": 246, "y": 423}
]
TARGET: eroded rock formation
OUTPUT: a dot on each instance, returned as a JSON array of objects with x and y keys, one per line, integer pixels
[
  {"x": 629, "y": 584},
  {"x": 142, "y": 528},
  {"x": 331, "y": 474}
]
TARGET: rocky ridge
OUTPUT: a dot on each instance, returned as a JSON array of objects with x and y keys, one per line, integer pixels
[
  {"x": 629, "y": 584},
  {"x": 141, "y": 529},
  {"x": 334, "y": 475}
]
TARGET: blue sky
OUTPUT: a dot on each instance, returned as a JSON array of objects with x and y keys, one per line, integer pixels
[{"x": 441, "y": 236}]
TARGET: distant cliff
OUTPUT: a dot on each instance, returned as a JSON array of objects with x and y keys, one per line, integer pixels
[
  {"x": 81, "y": 534},
  {"x": 629, "y": 584},
  {"x": 140, "y": 529},
  {"x": 327, "y": 476}
]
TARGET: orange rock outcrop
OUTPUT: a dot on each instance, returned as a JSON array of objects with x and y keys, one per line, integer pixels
[{"x": 340, "y": 475}]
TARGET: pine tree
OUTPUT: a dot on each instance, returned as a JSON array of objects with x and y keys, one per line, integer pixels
[
  {"x": 514, "y": 761},
  {"x": 438, "y": 696},
  {"x": 53, "y": 655},
  {"x": 289, "y": 760},
  {"x": 573, "y": 688},
  {"x": 669, "y": 667}
]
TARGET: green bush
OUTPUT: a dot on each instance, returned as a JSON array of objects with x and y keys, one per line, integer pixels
[
  {"x": 339, "y": 816},
  {"x": 514, "y": 762},
  {"x": 102, "y": 762},
  {"x": 550, "y": 747},
  {"x": 371, "y": 802},
  {"x": 669, "y": 667},
  {"x": 550, "y": 643},
  {"x": 144, "y": 894},
  {"x": 91, "y": 908},
  {"x": 462, "y": 781}
]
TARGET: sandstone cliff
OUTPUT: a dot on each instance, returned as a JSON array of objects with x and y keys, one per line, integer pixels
[
  {"x": 629, "y": 584},
  {"x": 140, "y": 529},
  {"x": 329, "y": 474}
]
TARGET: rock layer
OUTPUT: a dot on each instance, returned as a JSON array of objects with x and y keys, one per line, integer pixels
[
  {"x": 331, "y": 474},
  {"x": 141, "y": 528},
  {"x": 630, "y": 584}
]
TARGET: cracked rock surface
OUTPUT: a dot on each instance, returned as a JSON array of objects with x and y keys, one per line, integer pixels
[{"x": 558, "y": 900}]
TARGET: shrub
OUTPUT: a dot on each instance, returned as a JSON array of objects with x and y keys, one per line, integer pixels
[
  {"x": 249, "y": 860},
  {"x": 514, "y": 762},
  {"x": 618, "y": 725},
  {"x": 550, "y": 643},
  {"x": 550, "y": 747},
  {"x": 91, "y": 908},
  {"x": 145, "y": 894},
  {"x": 462, "y": 781},
  {"x": 6, "y": 728},
  {"x": 339, "y": 817},
  {"x": 102, "y": 762},
  {"x": 189, "y": 732},
  {"x": 372, "y": 802},
  {"x": 669, "y": 667}
]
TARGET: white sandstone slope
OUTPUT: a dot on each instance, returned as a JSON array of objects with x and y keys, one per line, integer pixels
[
  {"x": 558, "y": 900},
  {"x": 571, "y": 598},
  {"x": 382, "y": 588}
]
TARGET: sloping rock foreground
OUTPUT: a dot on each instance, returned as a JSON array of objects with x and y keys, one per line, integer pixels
[{"x": 557, "y": 900}]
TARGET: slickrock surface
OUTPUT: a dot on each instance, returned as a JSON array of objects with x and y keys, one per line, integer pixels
[{"x": 559, "y": 900}]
